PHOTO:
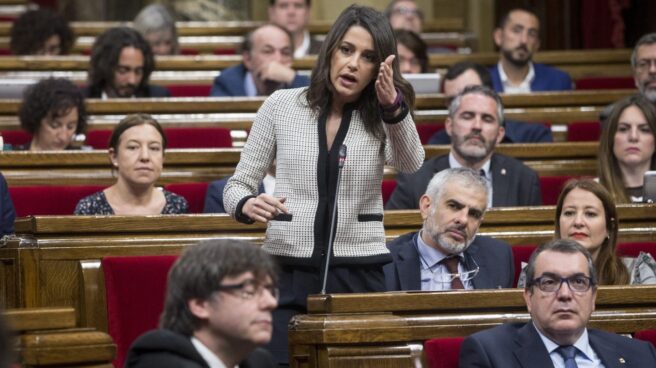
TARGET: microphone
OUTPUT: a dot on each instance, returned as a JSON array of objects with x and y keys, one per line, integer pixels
[{"x": 333, "y": 221}]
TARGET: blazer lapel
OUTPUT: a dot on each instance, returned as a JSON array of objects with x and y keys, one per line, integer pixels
[
  {"x": 482, "y": 280},
  {"x": 531, "y": 352},
  {"x": 408, "y": 267},
  {"x": 500, "y": 182},
  {"x": 607, "y": 352}
]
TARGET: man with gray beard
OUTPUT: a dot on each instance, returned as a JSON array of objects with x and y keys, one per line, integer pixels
[
  {"x": 475, "y": 125},
  {"x": 446, "y": 254},
  {"x": 643, "y": 62}
]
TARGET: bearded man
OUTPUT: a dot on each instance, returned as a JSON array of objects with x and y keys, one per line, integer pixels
[
  {"x": 475, "y": 125},
  {"x": 446, "y": 254}
]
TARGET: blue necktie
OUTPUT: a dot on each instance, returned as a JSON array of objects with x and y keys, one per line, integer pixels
[{"x": 569, "y": 354}]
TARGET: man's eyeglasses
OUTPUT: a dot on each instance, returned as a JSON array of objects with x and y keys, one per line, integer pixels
[
  {"x": 463, "y": 276},
  {"x": 249, "y": 289},
  {"x": 402, "y": 10},
  {"x": 645, "y": 64},
  {"x": 550, "y": 284}
]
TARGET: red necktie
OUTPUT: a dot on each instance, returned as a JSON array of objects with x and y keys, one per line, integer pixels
[{"x": 451, "y": 264}]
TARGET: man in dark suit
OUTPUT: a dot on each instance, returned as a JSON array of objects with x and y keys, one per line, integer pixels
[
  {"x": 452, "y": 210},
  {"x": 560, "y": 297},
  {"x": 7, "y": 211},
  {"x": 120, "y": 66},
  {"x": 518, "y": 39},
  {"x": 294, "y": 15},
  {"x": 467, "y": 73},
  {"x": 268, "y": 54},
  {"x": 475, "y": 124},
  {"x": 217, "y": 312}
]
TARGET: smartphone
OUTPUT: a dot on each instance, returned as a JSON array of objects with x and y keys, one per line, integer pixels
[{"x": 650, "y": 187}]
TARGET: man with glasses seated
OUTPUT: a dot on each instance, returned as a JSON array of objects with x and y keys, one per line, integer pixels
[
  {"x": 446, "y": 253},
  {"x": 560, "y": 298},
  {"x": 217, "y": 312},
  {"x": 404, "y": 14}
]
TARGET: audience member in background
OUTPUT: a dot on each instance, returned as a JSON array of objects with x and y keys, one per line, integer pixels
[
  {"x": 518, "y": 39},
  {"x": 586, "y": 213},
  {"x": 40, "y": 32},
  {"x": 447, "y": 254},
  {"x": 268, "y": 54},
  {"x": 626, "y": 148},
  {"x": 404, "y": 14},
  {"x": 475, "y": 124},
  {"x": 411, "y": 49},
  {"x": 7, "y": 215},
  {"x": 643, "y": 62},
  {"x": 217, "y": 310},
  {"x": 466, "y": 73},
  {"x": 120, "y": 66},
  {"x": 214, "y": 195},
  {"x": 560, "y": 297},
  {"x": 294, "y": 15},
  {"x": 136, "y": 151},
  {"x": 157, "y": 26},
  {"x": 358, "y": 99},
  {"x": 53, "y": 112}
]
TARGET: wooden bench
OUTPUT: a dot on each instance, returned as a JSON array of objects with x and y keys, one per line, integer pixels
[
  {"x": 50, "y": 337},
  {"x": 204, "y": 165},
  {"x": 54, "y": 260},
  {"x": 388, "y": 329}
]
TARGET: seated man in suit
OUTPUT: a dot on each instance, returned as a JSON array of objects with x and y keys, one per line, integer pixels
[
  {"x": 466, "y": 73},
  {"x": 475, "y": 124},
  {"x": 268, "y": 53},
  {"x": 560, "y": 298},
  {"x": 294, "y": 15},
  {"x": 446, "y": 254},
  {"x": 518, "y": 39},
  {"x": 120, "y": 66},
  {"x": 219, "y": 299}
]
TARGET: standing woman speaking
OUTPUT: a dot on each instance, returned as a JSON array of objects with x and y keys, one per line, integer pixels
[{"x": 357, "y": 98}]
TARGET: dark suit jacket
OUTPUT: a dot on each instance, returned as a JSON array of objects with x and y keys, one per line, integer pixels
[
  {"x": 230, "y": 83},
  {"x": 166, "y": 349},
  {"x": 516, "y": 132},
  {"x": 494, "y": 258},
  {"x": 214, "y": 196},
  {"x": 520, "y": 346},
  {"x": 7, "y": 211},
  {"x": 546, "y": 79},
  {"x": 149, "y": 91},
  {"x": 513, "y": 183}
]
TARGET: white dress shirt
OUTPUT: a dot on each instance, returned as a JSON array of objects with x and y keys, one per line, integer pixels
[
  {"x": 524, "y": 87},
  {"x": 585, "y": 356},
  {"x": 432, "y": 272}
]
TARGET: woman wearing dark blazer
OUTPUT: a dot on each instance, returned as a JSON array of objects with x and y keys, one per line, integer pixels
[{"x": 356, "y": 98}]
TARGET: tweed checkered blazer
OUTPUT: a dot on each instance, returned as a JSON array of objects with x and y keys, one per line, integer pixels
[{"x": 287, "y": 129}]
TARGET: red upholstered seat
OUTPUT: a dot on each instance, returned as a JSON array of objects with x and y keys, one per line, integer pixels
[
  {"x": 426, "y": 131},
  {"x": 646, "y": 335},
  {"x": 551, "y": 186},
  {"x": 633, "y": 249},
  {"x": 213, "y": 137},
  {"x": 189, "y": 90},
  {"x": 605, "y": 83},
  {"x": 194, "y": 193},
  {"x": 16, "y": 137},
  {"x": 584, "y": 131},
  {"x": 387, "y": 188},
  {"x": 49, "y": 200},
  {"x": 443, "y": 352},
  {"x": 135, "y": 288},
  {"x": 521, "y": 253}
]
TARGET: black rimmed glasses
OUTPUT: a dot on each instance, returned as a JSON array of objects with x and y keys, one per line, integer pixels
[
  {"x": 250, "y": 289},
  {"x": 551, "y": 284}
]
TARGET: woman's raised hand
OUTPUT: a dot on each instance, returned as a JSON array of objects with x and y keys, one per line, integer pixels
[{"x": 385, "y": 90}]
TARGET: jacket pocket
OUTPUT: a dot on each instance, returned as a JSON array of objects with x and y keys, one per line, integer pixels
[{"x": 365, "y": 217}]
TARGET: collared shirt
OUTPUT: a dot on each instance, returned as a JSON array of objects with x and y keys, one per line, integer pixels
[
  {"x": 249, "y": 85},
  {"x": 585, "y": 356},
  {"x": 212, "y": 360},
  {"x": 302, "y": 50},
  {"x": 431, "y": 271},
  {"x": 524, "y": 87},
  {"x": 454, "y": 164},
  {"x": 269, "y": 183}
]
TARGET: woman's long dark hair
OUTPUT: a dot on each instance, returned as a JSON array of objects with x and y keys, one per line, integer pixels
[{"x": 319, "y": 94}]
